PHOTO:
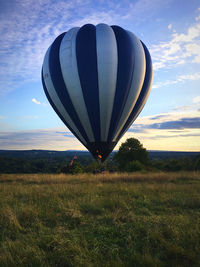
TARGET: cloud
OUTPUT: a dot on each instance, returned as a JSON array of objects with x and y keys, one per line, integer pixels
[
  {"x": 183, "y": 108},
  {"x": 38, "y": 23},
  {"x": 165, "y": 83},
  {"x": 181, "y": 124},
  {"x": 169, "y": 26},
  {"x": 193, "y": 49},
  {"x": 30, "y": 117},
  {"x": 172, "y": 120},
  {"x": 196, "y": 99},
  {"x": 184, "y": 123},
  {"x": 182, "y": 128},
  {"x": 24, "y": 43},
  {"x": 176, "y": 131},
  {"x": 195, "y": 76},
  {"x": 197, "y": 18},
  {"x": 193, "y": 107},
  {"x": 52, "y": 139},
  {"x": 156, "y": 137},
  {"x": 181, "y": 48},
  {"x": 180, "y": 78},
  {"x": 158, "y": 117},
  {"x": 35, "y": 101}
]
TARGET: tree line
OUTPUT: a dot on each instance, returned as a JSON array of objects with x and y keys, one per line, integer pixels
[{"x": 131, "y": 157}]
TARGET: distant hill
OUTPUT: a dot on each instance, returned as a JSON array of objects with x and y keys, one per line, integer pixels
[
  {"x": 42, "y": 153},
  {"x": 155, "y": 155},
  {"x": 33, "y": 154}
]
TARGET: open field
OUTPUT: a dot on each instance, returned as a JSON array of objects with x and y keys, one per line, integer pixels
[{"x": 103, "y": 220}]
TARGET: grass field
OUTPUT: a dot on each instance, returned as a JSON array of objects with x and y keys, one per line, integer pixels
[{"x": 103, "y": 220}]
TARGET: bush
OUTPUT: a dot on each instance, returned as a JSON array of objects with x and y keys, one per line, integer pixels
[
  {"x": 77, "y": 168},
  {"x": 197, "y": 164},
  {"x": 134, "y": 166}
]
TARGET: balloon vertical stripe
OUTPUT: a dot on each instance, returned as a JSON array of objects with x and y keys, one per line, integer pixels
[
  {"x": 124, "y": 76},
  {"x": 107, "y": 62},
  {"x": 68, "y": 62},
  {"x": 137, "y": 81},
  {"x": 143, "y": 94},
  {"x": 59, "y": 84},
  {"x": 73, "y": 130},
  {"x": 87, "y": 68}
]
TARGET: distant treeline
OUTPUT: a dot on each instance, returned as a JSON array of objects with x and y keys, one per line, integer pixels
[{"x": 42, "y": 161}]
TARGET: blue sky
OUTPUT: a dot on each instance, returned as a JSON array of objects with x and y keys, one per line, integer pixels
[{"x": 170, "y": 119}]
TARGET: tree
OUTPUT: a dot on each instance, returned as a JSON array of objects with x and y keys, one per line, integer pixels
[{"x": 129, "y": 151}]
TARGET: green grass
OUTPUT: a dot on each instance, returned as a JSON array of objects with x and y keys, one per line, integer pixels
[{"x": 103, "y": 220}]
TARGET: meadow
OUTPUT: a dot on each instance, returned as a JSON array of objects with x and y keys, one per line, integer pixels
[{"x": 140, "y": 219}]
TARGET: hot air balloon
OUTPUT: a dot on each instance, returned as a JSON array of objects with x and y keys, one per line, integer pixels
[{"x": 97, "y": 79}]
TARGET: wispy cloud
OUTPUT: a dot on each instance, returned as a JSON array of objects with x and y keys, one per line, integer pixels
[
  {"x": 55, "y": 139},
  {"x": 180, "y": 124},
  {"x": 24, "y": 43},
  {"x": 173, "y": 116},
  {"x": 197, "y": 18},
  {"x": 29, "y": 117},
  {"x": 37, "y": 23},
  {"x": 168, "y": 123},
  {"x": 180, "y": 48},
  {"x": 36, "y": 102},
  {"x": 179, "y": 135},
  {"x": 196, "y": 99},
  {"x": 169, "y": 26},
  {"x": 184, "y": 108},
  {"x": 184, "y": 123},
  {"x": 180, "y": 78}
]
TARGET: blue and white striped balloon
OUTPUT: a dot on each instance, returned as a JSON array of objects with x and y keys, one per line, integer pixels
[{"x": 97, "y": 79}]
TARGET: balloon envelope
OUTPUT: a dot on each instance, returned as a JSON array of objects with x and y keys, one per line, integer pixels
[{"x": 97, "y": 79}]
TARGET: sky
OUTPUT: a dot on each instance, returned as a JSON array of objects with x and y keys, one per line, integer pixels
[{"x": 170, "y": 29}]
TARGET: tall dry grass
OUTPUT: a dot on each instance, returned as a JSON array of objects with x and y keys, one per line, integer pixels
[
  {"x": 95, "y": 178},
  {"x": 140, "y": 219}
]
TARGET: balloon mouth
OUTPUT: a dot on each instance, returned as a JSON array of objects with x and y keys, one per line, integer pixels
[{"x": 101, "y": 150}]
